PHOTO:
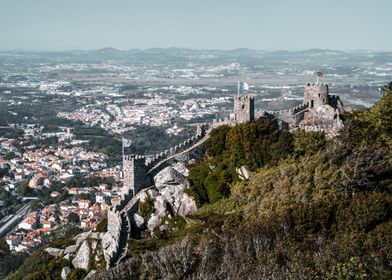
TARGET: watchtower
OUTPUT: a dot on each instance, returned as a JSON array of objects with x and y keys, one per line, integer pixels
[
  {"x": 316, "y": 95},
  {"x": 134, "y": 169},
  {"x": 244, "y": 109}
]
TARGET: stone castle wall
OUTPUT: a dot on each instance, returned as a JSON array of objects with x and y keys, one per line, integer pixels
[
  {"x": 138, "y": 174},
  {"x": 134, "y": 170},
  {"x": 291, "y": 116},
  {"x": 316, "y": 95}
]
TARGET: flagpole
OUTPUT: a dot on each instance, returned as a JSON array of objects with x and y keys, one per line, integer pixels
[
  {"x": 123, "y": 147},
  {"x": 238, "y": 88}
]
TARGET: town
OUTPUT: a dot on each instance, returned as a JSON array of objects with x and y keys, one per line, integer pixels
[{"x": 47, "y": 179}]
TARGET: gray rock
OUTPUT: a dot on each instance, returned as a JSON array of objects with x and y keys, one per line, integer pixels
[
  {"x": 82, "y": 257},
  {"x": 96, "y": 235},
  {"x": 80, "y": 240},
  {"x": 160, "y": 206},
  {"x": 55, "y": 252},
  {"x": 90, "y": 274},
  {"x": 181, "y": 168},
  {"x": 186, "y": 205},
  {"x": 139, "y": 220},
  {"x": 153, "y": 221},
  {"x": 171, "y": 185},
  {"x": 64, "y": 272},
  {"x": 243, "y": 172},
  {"x": 67, "y": 256},
  {"x": 164, "y": 228},
  {"x": 142, "y": 195},
  {"x": 94, "y": 245},
  {"x": 169, "y": 177},
  {"x": 70, "y": 249}
]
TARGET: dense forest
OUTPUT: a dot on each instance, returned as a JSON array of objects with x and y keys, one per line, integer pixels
[{"x": 312, "y": 209}]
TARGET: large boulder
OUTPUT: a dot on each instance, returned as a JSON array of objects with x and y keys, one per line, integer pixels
[
  {"x": 171, "y": 196},
  {"x": 169, "y": 177},
  {"x": 82, "y": 257},
  {"x": 139, "y": 220},
  {"x": 153, "y": 221},
  {"x": 181, "y": 167},
  {"x": 243, "y": 172},
  {"x": 65, "y": 271},
  {"x": 70, "y": 250},
  {"x": 55, "y": 252},
  {"x": 185, "y": 204}
]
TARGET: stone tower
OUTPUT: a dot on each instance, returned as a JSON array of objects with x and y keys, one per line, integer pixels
[
  {"x": 134, "y": 169},
  {"x": 316, "y": 95},
  {"x": 244, "y": 109}
]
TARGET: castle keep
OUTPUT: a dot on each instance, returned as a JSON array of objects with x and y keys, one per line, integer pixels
[{"x": 316, "y": 95}]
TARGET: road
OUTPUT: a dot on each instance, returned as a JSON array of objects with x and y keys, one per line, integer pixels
[{"x": 15, "y": 218}]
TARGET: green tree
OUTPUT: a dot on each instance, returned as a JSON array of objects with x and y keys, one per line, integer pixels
[{"x": 73, "y": 218}]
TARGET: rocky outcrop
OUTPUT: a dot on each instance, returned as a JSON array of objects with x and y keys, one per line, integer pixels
[
  {"x": 55, "y": 252},
  {"x": 70, "y": 249},
  {"x": 169, "y": 177},
  {"x": 170, "y": 197},
  {"x": 112, "y": 236},
  {"x": 82, "y": 257}
]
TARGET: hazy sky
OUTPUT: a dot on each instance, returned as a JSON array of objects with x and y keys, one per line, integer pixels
[{"x": 220, "y": 24}]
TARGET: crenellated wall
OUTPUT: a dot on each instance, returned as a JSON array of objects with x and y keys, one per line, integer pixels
[{"x": 291, "y": 116}]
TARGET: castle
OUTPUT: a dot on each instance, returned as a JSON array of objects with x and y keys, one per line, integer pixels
[{"x": 319, "y": 112}]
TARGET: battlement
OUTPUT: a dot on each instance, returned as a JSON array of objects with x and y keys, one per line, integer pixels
[
  {"x": 244, "y": 97},
  {"x": 316, "y": 85},
  {"x": 186, "y": 144}
]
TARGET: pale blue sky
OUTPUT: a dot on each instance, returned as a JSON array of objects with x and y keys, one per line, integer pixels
[{"x": 219, "y": 24}]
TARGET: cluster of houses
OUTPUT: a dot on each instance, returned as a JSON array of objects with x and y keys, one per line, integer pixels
[
  {"x": 40, "y": 167},
  {"x": 40, "y": 223}
]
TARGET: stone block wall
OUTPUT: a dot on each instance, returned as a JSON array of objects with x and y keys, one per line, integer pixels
[
  {"x": 316, "y": 95},
  {"x": 244, "y": 109},
  {"x": 134, "y": 173}
]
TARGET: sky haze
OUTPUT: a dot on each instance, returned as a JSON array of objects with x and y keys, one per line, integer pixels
[{"x": 202, "y": 24}]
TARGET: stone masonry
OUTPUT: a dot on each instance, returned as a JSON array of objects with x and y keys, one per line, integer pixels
[{"x": 244, "y": 109}]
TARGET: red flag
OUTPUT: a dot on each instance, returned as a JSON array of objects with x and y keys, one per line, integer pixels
[{"x": 320, "y": 74}]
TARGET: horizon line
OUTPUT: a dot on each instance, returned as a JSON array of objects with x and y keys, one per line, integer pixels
[{"x": 193, "y": 49}]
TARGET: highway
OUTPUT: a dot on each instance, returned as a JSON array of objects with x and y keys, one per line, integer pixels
[{"x": 4, "y": 229}]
